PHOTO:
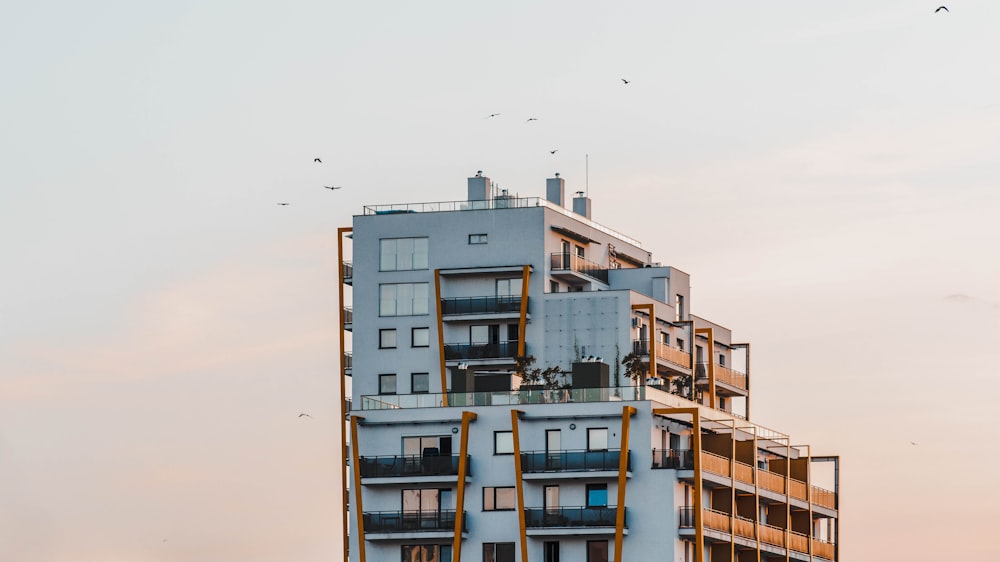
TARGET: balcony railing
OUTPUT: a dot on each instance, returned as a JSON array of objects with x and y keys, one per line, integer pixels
[
  {"x": 409, "y": 521},
  {"x": 348, "y": 315},
  {"x": 666, "y": 352},
  {"x": 409, "y": 465},
  {"x": 823, "y": 549},
  {"x": 772, "y": 535},
  {"x": 513, "y": 397},
  {"x": 571, "y": 517},
  {"x": 673, "y": 458},
  {"x": 729, "y": 376},
  {"x": 824, "y": 498},
  {"x": 714, "y": 463},
  {"x": 348, "y": 269},
  {"x": 571, "y": 461},
  {"x": 499, "y": 350},
  {"x": 348, "y": 360},
  {"x": 480, "y": 305},
  {"x": 685, "y": 517},
  {"x": 716, "y": 520},
  {"x": 571, "y": 262}
]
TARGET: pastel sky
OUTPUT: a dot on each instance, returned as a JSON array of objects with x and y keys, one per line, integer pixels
[{"x": 827, "y": 172}]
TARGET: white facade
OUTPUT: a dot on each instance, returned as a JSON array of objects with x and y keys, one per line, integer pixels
[{"x": 444, "y": 296}]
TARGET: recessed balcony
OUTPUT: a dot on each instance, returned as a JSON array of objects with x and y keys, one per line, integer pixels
[
  {"x": 415, "y": 468},
  {"x": 349, "y": 318},
  {"x": 542, "y": 464},
  {"x": 675, "y": 360},
  {"x": 347, "y": 268},
  {"x": 576, "y": 269},
  {"x": 676, "y": 459},
  {"x": 481, "y": 307},
  {"x": 571, "y": 520},
  {"x": 467, "y": 351}
]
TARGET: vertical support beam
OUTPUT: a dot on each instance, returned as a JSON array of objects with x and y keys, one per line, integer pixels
[
  {"x": 699, "y": 520},
  {"x": 523, "y": 325},
  {"x": 652, "y": 337},
  {"x": 359, "y": 510},
  {"x": 710, "y": 334},
  {"x": 627, "y": 413},
  {"x": 788, "y": 497},
  {"x": 732, "y": 493},
  {"x": 756, "y": 491},
  {"x": 440, "y": 326},
  {"x": 519, "y": 483},
  {"x": 343, "y": 382},
  {"x": 809, "y": 497},
  {"x": 463, "y": 467}
]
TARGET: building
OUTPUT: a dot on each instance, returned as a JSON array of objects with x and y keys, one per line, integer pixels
[{"x": 458, "y": 451}]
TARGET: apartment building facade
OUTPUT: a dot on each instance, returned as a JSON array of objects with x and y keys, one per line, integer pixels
[{"x": 457, "y": 451}]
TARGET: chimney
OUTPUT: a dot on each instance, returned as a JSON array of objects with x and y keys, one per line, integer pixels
[
  {"x": 479, "y": 187},
  {"x": 581, "y": 204},
  {"x": 555, "y": 190}
]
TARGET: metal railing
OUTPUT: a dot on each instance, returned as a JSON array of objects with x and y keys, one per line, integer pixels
[
  {"x": 572, "y": 461},
  {"x": 547, "y": 517},
  {"x": 410, "y": 465},
  {"x": 563, "y": 261},
  {"x": 348, "y": 315},
  {"x": 348, "y": 360},
  {"x": 480, "y": 305},
  {"x": 497, "y": 350},
  {"x": 348, "y": 269},
  {"x": 682, "y": 459},
  {"x": 510, "y": 397},
  {"x": 685, "y": 517},
  {"x": 409, "y": 521}
]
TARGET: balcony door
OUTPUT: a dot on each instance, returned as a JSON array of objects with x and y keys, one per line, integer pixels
[
  {"x": 553, "y": 449},
  {"x": 550, "y": 499}
]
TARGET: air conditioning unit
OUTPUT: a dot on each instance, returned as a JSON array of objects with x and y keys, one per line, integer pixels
[{"x": 635, "y": 322}]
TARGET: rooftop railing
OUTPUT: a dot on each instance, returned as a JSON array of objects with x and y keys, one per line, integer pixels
[
  {"x": 571, "y": 461},
  {"x": 480, "y": 305},
  {"x": 503, "y": 202}
]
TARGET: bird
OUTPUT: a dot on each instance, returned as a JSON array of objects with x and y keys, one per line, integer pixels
[
  {"x": 317, "y": 160},
  {"x": 624, "y": 80},
  {"x": 530, "y": 119},
  {"x": 493, "y": 115},
  {"x": 284, "y": 204},
  {"x": 945, "y": 8},
  {"x": 304, "y": 415},
  {"x": 333, "y": 186},
  {"x": 912, "y": 443},
  {"x": 553, "y": 151}
]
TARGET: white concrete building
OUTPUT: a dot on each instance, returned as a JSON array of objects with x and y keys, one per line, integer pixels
[{"x": 458, "y": 452}]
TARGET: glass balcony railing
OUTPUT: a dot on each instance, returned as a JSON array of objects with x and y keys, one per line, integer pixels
[
  {"x": 680, "y": 459},
  {"x": 571, "y": 517},
  {"x": 516, "y": 397},
  {"x": 571, "y": 461},
  {"x": 410, "y": 465},
  {"x": 499, "y": 350},
  {"x": 348, "y": 315},
  {"x": 480, "y": 305},
  {"x": 348, "y": 360},
  {"x": 409, "y": 521},
  {"x": 572, "y": 262},
  {"x": 348, "y": 269}
]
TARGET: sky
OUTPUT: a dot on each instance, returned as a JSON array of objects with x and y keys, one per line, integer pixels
[{"x": 826, "y": 172}]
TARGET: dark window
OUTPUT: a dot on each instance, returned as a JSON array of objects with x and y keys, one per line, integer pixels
[
  {"x": 554, "y": 288},
  {"x": 387, "y": 384},
  {"x": 503, "y": 443},
  {"x": 420, "y": 383},
  {"x": 498, "y": 552},
  {"x": 426, "y": 552},
  {"x": 580, "y": 251},
  {"x": 499, "y": 499},
  {"x": 550, "y": 549},
  {"x": 387, "y": 338},
  {"x": 597, "y": 495},
  {"x": 597, "y": 551},
  {"x": 477, "y": 239}
]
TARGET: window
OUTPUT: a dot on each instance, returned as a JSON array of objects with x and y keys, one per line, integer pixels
[
  {"x": 580, "y": 252},
  {"x": 481, "y": 333},
  {"x": 678, "y": 307},
  {"x": 722, "y": 360},
  {"x": 550, "y": 551},
  {"x": 665, "y": 338},
  {"x": 420, "y": 383},
  {"x": 554, "y": 288},
  {"x": 420, "y": 337},
  {"x": 597, "y": 495},
  {"x": 426, "y": 552},
  {"x": 509, "y": 287},
  {"x": 387, "y": 338},
  {"x": 498, "y": 552},
  {"x": 387, "y": 384},
  {"x": 431, "y": 446},
  {"x": 477, "y": 239},
  {"x": 597, "y": 551},
  {"x": 403, "y": 299},
  {"x": 680, "y": 344},
  {"x": 402, "y": 254},
  {"x": 499, "y": 499},
  {"x": 426, "y": 500},
  {"x": 597, "y": 439},
  {"x": 503, "y": 443}
]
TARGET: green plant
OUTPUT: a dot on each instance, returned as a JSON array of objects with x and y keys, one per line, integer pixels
[
  {"x": 549, "y": 378},
  {"x": 635, "y": 367},
  {"x": 682, "y": 386}
]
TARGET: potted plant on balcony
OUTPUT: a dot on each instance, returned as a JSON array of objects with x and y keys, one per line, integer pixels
[
  {"x": 635, "y": 368},
  {"x": 550, "y": 381}
]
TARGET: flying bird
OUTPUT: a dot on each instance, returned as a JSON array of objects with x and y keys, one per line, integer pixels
[
  {"x": 333, "y": 186},
  {"x": 530, "y": 119},
  {"x": 493, "y": 115},
  {"x": 624, "y": 80},
  {"x": 553, "y": 151},
  {"x": 304, "y": 415},
  {"x": 912, "y": 443},
  {"x": 317, "y": 160},
  {"x": 284, "y": 204},
  {"x": 945, "y": 8}
]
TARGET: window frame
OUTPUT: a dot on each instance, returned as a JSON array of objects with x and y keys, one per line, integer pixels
[
  {"x": 395, "y": 384},
  {"x": 497, "y": 434},
  {"x": 490, "y": 553},
  {"x": 479, "y": 238},
  {"x": 491, "y": 493},
  {"x": 607, "y": 442},
  {"x": 382, "y": 332},
  {"x": 383, "y": 300},
  {"x": 607, "y": 551},
  {"x": 413, "y": 380},
  {"x": 413, "y": 260},
  {"x": 596, "y": 488},
  {"x": 413, "y": 336}
]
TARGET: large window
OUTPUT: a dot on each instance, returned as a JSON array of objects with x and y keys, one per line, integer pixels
[
  {"x": 597, "y": 551},
  {"x": 430, "y": 446},
  {"x": 509, "y": 287},
  {"x": 597, "y": 439},
  {"x": 498, "y": 552},
  {"x": 426, "y": 552},
  {"x": 402, "y": 254},
  {"x": 387, "y": 384},
  {"x": 499, "y": 499},
  {"x": 403, "y": 299},
  {"x": 426, "y": 500},
  {"x": 503, "y": 443}
]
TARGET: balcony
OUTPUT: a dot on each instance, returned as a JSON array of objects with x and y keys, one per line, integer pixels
[
  {"x": 823, "y": 498},
  {"x": 673, "y": 459},
  {"x": 348, "y": 363},
  {"x": 410, "y": 466},
  {"x": 395, "y": 525},
  {"x": 570, "y": 267},
  {"x": 465, "y": 351},
  {"x": 349, "y": 318},
  {"x": 481, "y": 305},
  {"x": 347, "y": 268},
  {"x": 541, "y": 462},
  {"x": 572, "y": 520},
  {"x": 735, "y": 382},
  {"x": 677, "y": 361}
]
